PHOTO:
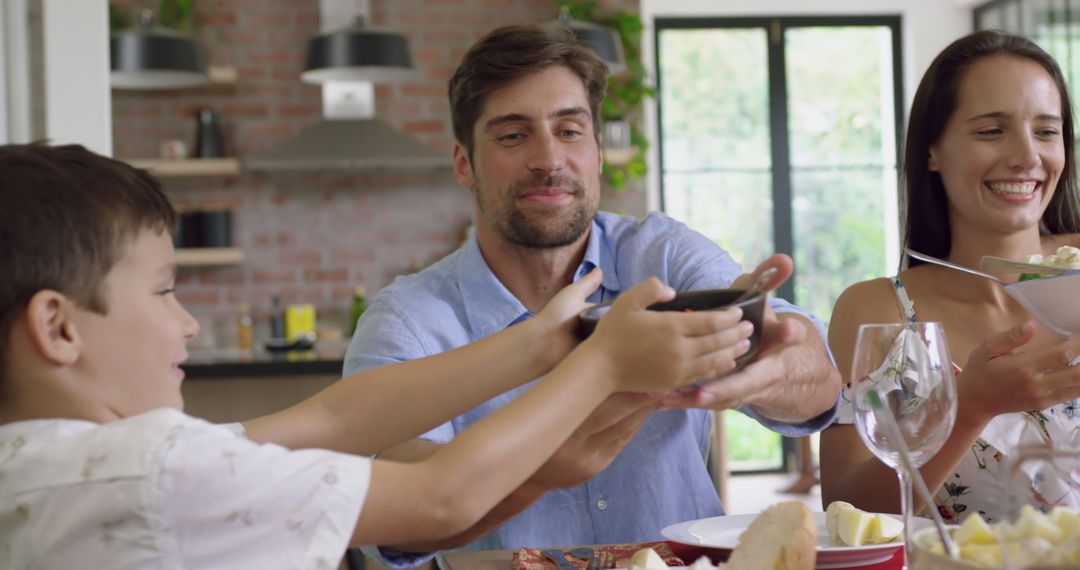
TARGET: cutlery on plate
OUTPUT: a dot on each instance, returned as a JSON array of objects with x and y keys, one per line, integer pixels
[
  {"x": 601, "y": 561},
  {"x": 892, "y": 430},
  {"x": 949, "y": 264},
  {"x": 583, "y": 552},
  {"x": 556, "y": 556},
  {"x": 992, "y": 264}
]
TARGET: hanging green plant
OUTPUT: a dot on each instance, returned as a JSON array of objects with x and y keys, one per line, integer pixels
[
  {"x": 626, "y": 92},
  {"x": 176, "y": 14}
]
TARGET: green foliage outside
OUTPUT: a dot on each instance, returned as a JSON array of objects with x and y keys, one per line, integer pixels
[
  {"x": 175, "y": 14},
  {"x": 717, "y": 167},
  {"x": 750, "y": 446}
]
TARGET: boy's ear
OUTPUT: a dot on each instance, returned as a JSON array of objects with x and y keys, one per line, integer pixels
[{"x": 51, "y": 327}]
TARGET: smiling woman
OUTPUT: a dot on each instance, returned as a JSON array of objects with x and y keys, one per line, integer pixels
[{"x": 989, "y": 169}]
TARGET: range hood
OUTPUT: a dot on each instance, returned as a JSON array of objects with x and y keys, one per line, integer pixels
[
  {"x": 350, "y": 144},
  {"x": 346, "y": 62}
]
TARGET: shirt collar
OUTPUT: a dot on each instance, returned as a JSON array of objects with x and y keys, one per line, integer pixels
[
  {"x": 490, "y": 307},
  {"x": 598, "y": 253}
]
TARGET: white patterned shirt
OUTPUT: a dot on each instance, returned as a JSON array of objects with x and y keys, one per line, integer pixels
[{"x": 166, "y": 490}]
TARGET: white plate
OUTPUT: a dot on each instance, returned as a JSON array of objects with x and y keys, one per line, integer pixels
[{"x": 723, "y": 533}]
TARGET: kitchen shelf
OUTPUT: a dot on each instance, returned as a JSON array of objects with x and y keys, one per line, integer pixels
[
  {"x": 176, "y": 167},
  {"x": 209, "y": 256}
]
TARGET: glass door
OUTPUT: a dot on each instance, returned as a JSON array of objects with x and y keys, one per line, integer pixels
[{"x": 781, "y": 134}]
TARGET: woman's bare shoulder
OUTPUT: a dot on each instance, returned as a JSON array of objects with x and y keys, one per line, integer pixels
[
  {"x": 867, "y": 301},
  {"x": 871, "y": 290}
]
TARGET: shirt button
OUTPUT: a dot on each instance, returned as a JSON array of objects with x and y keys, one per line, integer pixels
[{"x": 601, "y": 505}]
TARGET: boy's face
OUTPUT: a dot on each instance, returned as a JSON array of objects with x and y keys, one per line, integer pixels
[{"x": 131, "y": 355}]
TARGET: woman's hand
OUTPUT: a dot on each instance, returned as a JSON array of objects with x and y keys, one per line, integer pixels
[{"x": 997, "y": 379}]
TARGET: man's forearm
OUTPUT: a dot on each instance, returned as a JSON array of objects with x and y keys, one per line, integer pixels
[{"x": 811, "y": 383}]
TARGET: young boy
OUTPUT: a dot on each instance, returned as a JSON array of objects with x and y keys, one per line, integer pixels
[{"x": 100, "y": 468}]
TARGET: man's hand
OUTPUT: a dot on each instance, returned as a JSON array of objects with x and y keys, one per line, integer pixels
[
  {"x": 756, "y": 382},
  {"x": 790, "y": 378},
  {"x": 589, "y": 451},
  {"x": 597, "y": 441}
]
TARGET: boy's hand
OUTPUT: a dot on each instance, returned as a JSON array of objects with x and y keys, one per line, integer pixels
[
  {"x": 559, "y": 318},
  {"x": 657, "y": 350}
]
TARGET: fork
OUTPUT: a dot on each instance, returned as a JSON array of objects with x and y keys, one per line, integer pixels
[{"x": 601, "y": 560}]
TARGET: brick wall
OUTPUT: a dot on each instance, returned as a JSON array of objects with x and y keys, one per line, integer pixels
[{"x": 310, "y": 236}]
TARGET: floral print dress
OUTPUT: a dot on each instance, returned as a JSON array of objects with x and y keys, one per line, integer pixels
[{"x": 979, "y": 482}]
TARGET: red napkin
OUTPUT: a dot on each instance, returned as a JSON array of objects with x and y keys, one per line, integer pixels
[{"x": 531, "y": 559}]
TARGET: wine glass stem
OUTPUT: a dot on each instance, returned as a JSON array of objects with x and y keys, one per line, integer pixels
[{"x": 907, "y": 506}]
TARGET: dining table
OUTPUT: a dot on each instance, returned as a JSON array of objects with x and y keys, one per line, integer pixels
[{"x": 504, "y": 559}]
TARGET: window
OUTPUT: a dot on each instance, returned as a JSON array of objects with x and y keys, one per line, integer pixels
[
  {"x": 782, "y": 134},
  {"x": 1053, "y": 24}
]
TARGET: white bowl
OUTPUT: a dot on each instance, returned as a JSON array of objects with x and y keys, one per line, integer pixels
[{"x": 1054, "y": 301}]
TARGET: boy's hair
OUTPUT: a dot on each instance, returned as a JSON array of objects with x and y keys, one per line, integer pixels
[
  {"x": 66, "y": 214},
  {"x": 510, "y": 53}
]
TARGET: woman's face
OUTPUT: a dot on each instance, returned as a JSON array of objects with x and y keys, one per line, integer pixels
[{"x": 1002, "y": 151}]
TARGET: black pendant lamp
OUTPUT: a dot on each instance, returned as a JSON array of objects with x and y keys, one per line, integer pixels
[
  {"x": 357, "y": 53},
  {"x": 602, "y": 40},
  {"x": 146, "y": 56}
]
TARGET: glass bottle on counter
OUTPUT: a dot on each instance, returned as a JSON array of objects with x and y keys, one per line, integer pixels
[
  {"x": 277, "y": 319},
  {"x": 359, "y": 305},
  {"x": 244, "y": 330}
]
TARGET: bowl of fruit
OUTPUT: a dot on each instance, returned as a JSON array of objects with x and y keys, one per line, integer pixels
[
  {"x": 1034, "y": 539},
  {"x": 1050, "y": 295}
]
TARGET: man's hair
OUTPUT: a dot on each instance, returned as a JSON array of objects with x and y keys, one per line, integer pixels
[
  {"x": 925, "y": 205},
  {"x": 66, "y": 215},
  {"x": 510, "y": 53}
]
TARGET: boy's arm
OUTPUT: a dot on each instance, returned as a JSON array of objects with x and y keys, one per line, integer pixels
[
  {"x": 588, "y": 451},
  {"x": 635, "y": 350},
  {"x": 451, "y": 491},
  {"x": 380, "y": 407}
]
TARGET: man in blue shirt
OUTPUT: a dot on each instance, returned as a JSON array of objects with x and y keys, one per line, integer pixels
[{"x": 524, "y": 103}]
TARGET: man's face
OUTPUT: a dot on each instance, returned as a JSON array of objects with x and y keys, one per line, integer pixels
[
  {"x": 535, "y": 168},
  {"x": 131, "y": 355}
]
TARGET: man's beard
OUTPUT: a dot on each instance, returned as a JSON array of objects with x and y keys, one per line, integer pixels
[{"x": 546, "y": 227}]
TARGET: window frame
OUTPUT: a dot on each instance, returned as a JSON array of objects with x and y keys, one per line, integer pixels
[{"x": 775, "y": 28}]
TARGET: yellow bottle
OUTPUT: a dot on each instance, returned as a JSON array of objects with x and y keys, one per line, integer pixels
[
  {"x": 244, "y": 331},
  {"x": 300, "y": 322}
]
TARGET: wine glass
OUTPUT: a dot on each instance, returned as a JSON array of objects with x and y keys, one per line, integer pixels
[{"x": 908, "y": 366}]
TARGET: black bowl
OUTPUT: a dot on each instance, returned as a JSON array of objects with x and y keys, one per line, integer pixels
[{"x": 705, "y": 300}]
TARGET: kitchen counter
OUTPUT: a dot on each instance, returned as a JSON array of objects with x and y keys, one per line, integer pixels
[
  {"x": 259, "y": 362},
  {"x": 227, "y": 385}
]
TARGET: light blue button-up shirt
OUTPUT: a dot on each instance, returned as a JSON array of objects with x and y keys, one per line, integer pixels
[{"x": 660, "y": 478}]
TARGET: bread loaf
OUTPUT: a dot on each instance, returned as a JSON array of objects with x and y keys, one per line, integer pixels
[{"x": 782, "y": 537}]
